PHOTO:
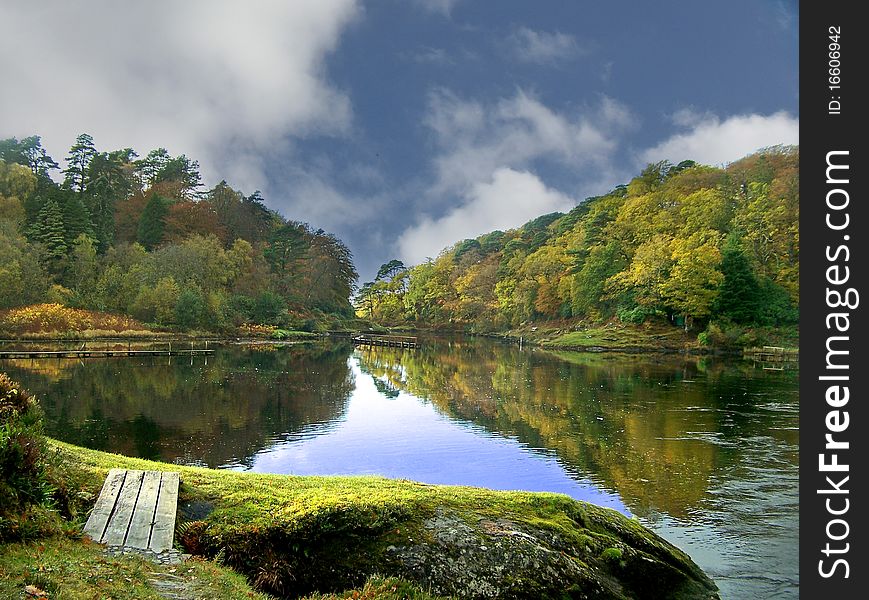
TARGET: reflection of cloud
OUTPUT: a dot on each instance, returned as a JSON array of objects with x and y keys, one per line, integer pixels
[
  {"x": 510, "y": 199},
  {"x": 712, "y": 141},
  {"x": 215, "y": 80}
]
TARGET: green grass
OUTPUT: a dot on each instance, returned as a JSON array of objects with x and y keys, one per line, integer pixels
[
  {"x": 72, "y": 569},
  {"x": 616, "y": 335}
]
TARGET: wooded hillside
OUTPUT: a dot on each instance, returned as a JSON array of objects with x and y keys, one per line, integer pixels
[
  {"x": 687, "y": 243},
  {"x": 140, "y": 236}
]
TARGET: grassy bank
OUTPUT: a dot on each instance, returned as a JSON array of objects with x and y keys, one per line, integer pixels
[
  {"x": 307, "y": 535},
  {"x": 50, "y": 322},
  {"x": 651, "y": 336}
]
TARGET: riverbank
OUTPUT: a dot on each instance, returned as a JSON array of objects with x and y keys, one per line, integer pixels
[
  {"x": 303, "y": 535},
  {"x": 647, "y": 337},
  {"x": 55, "y": 322}
]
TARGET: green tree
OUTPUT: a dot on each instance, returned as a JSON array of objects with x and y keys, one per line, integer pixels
[
  {"x": 190, "y": 308},
  {"x": 78, "y": 162},
  {"x": 22, "y": 279},
  {"x": 739, "y": 295},
  {"x": 30, "y": 153},
  {"x": 83, "y": 270},
  {"x": 76, "y": 218},
  {"x": 48, "y": 230},
  {"x": 153, "y": 222},
  {"x": 111, "y": 177}
]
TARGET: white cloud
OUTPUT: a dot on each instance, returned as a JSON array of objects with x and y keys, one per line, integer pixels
[
  {"x": 712, "y": 141},
  {"x": 543, "y": 47},
  {"x": 443, "y": 7},
  {"x": 475, "y": 139},
  {"x": 509, "y": 199},
  {"x": 220, "y": 81}
]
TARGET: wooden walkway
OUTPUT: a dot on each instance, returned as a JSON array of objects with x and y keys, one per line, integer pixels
[
  {"x": 395, "y": 341},
  {"x": 84, "y": 352},
  {"x": 97, "y": 353},
  {"x": 136, "y": 509}
]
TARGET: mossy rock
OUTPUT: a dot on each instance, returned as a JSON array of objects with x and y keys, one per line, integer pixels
[{"x": 294, "y": 536}]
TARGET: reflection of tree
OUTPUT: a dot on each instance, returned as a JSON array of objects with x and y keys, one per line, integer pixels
[
  {"x": 214, "y": 414},
  {"x": 655, "y": 430}
]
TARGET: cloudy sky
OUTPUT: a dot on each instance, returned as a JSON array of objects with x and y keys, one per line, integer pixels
[{"x": 406, "y": 125}]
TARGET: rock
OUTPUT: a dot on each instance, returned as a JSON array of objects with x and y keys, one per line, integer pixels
[
  {"x": 549, "y": 547},
  {"x": 505, "y": 559}
]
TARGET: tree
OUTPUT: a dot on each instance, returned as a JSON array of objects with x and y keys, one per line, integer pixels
[
  {"x": 111, "y": 177},
  {"x": 183, "y": 172},
  {"x": 190, "y": 308},
  {"x": 77, "y": 163},
  {"x": 739, "y": 295},
  {"x": 28, "y": 152},
  {"x": 22, "y": 279},
  {"x": 152, "y": 223},
  {"x": 76, "y": 218},
  {"x": 83, "y": 269},
  {"x": 390, "y": 269},
  {"x": 694, "y": 280},
  {"x": 17, "y": 184},
  {"x": 152, "y": 164},
  {"x": 49, "y": 231}
]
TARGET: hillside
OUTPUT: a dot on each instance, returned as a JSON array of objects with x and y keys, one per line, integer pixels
[
  {"x": 712, "y": 250},
  {"x": 140, "y": 237}
]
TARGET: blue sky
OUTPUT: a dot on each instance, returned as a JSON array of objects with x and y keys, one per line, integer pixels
[{"x": 404, "y": 126}]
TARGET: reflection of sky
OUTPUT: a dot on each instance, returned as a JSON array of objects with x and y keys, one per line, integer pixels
[{"x": 407, "y": 438}]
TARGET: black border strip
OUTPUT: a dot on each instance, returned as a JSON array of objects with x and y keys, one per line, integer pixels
[{"x": 833, "y": 261}]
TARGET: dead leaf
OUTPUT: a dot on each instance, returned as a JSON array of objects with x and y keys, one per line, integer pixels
[{"x": 32, "y": 590}]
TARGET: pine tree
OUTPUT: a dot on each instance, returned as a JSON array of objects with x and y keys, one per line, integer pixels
[
  {"x": 49, "y": 230},
  {"x": 152, "y": 223},
  {"x": 76, "y": 219},
  {"x": 739, "y": 295},
  {"x": 80, "y": 156}
]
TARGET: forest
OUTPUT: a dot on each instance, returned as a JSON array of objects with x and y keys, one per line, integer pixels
[
  {"x": 709, "y": 249},
  {"x": 140, "y": 236}
]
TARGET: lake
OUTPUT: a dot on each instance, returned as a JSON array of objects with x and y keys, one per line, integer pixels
[{"x": 702, "y": 451}]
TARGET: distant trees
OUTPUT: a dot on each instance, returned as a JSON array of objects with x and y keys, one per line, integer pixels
[
  {"x": 138, "y": 236},
  {"x": 685, "y": 242}
]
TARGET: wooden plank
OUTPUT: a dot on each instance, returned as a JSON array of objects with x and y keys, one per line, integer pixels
[
  {"x": 99, "y": 517},
  {"x": 163, "y": 531},
  {"x": 143, "y": 515},
  {"x": 119, "y": 523}
]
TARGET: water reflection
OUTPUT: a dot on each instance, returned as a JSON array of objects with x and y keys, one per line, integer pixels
[
  {"x": 213, "y": 412},
  {"x": 705, "y": 453},
  {"x": 395, "y": 435}
]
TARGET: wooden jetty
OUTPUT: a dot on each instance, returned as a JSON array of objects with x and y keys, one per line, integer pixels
[
  {"x": 84, "y": 352},
  {"x": 772, "y": 358},
  {"x": 772, "y": 354},
  {"x": 394, "y": 341},
  {"x": 136, "y": 509}
]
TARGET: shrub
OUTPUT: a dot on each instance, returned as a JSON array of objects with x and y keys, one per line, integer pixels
[
  {"x": 46, "y": 318},
  {"x": 24, "y": 484}
]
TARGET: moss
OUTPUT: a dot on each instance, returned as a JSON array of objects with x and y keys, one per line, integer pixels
[
  {"x": 300, "y": 535},
  {"x": 611, "y": 554},
  {"x": 73, "y": 569}
]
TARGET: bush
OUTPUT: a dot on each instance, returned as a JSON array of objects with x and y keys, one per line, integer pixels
[{"x": 24, "y": 484}]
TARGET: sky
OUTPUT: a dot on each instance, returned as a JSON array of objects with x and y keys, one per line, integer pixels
[{"x": 404, "y": 126}]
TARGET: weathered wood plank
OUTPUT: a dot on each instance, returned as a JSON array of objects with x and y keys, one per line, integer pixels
[
  {"x": 99, "y": 517},
  {"x": 163, "y": 531},
  {"x": 119, "y": 523},
  {"x": 143, "y": 515}
]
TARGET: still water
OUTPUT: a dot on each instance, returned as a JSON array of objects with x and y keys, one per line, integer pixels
[{"x": 703, "y": 452}]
